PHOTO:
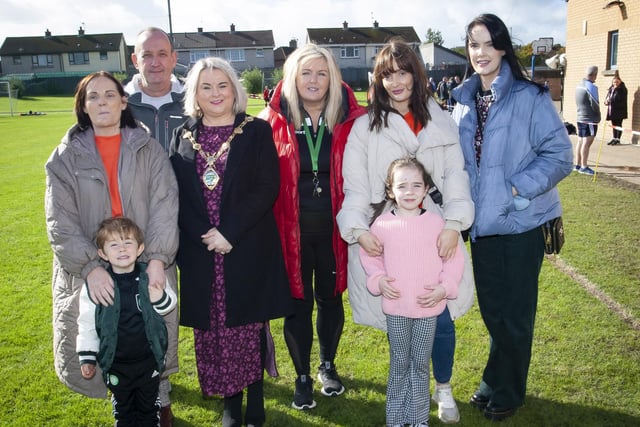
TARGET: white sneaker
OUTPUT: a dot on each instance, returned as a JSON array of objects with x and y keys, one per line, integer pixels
[{"x": 447, "y": 409}]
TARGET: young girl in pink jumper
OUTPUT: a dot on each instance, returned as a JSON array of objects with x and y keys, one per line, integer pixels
[{"x": 414, "y": 283}]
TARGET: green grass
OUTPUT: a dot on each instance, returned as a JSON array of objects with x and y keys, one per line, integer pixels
[{"x": 586, "y": 361}]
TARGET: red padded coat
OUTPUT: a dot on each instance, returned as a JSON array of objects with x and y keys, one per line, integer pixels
[{"x": 286, "y": 208}]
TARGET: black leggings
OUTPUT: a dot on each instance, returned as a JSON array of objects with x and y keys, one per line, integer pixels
[
  {"x": 617, "y": 133},
  {"x": 319, "y": 266}
]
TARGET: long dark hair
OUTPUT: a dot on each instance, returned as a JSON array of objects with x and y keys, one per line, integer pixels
[
  {"x": 83, "y": 120},
  {"x": 404, "y": 162},
  {"x": 501, "y": 41},
  {"x": 406, "y": 59}
]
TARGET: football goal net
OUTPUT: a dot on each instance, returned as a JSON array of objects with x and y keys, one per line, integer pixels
[{"x": 8, "y": 99}]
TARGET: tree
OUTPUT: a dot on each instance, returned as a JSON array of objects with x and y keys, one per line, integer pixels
[
  {"x": 252, "y": 80},
  {"x": 434, "y": 36}
]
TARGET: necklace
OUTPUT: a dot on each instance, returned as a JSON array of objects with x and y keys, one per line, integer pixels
[
  {"x": 210, "y": 176},
  {"x": 314, "y": 152}
]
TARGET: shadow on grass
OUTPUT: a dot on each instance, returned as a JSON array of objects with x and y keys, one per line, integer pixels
[
  {"x": 340, "y": 411},
  {"x": 351, "y": 410},
  {"x": 544, "y": 412}
]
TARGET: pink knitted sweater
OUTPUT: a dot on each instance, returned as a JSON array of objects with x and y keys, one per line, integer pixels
[{"x": 411, "y": 257}]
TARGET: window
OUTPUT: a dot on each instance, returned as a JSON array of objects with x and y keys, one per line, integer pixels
[
  {"x": 612, "y": 54},
  {"x": 17, "y": 60},
  {"x": 235, "y": 55},
  {"x": 195, "y": 55},
  {"x": 349, "y": 52},
  {"x": 41, "y": 60},
  {"x": 79, "y": 58},
  {"x": 259, "y": 53},
  {"x": 104, "y": 55}
]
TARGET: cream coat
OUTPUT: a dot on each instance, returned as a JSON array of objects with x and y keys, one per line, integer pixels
[
  {"x": 76, "y": 201},
  {"x": 366, "y": 160}
]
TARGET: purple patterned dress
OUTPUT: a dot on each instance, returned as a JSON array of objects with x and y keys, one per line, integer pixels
[{"x": 228, "y": 359}]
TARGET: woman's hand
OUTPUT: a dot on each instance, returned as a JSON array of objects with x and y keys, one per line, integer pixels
[
  {"x": 100, "y": 286},
  {"x": 370, "y": 243},
  {"x": 216, "y": 242},
  {"x": 447, "y": 243},
  {"x": 157, "y": 279}
]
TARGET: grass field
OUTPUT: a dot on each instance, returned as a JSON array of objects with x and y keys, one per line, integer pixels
[{"x": 586, "y": 358}]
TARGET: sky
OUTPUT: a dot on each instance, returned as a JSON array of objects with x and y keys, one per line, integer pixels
[{"x": 288, "y": 19}]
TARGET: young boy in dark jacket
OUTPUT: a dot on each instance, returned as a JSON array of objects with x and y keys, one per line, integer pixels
[{"x": 129, "y": 338}]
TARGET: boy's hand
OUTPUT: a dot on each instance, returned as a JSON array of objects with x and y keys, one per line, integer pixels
[
  {"x": 155, "y": 291},
  {"x": 88, "y": 370}
]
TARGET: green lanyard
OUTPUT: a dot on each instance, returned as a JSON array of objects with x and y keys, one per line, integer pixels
[{"x": 314, "y": 153}]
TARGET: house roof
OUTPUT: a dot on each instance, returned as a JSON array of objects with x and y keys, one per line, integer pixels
[
  {"x": 52, "y": 44},
  {"x": 360, "y": 35},
  {"x": 223, "y": 39}
]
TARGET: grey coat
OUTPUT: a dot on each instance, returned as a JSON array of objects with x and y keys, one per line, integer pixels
[{"x": 76, "y": 201}]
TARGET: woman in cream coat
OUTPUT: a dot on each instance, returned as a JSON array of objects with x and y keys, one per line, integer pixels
[{"x": 399, "y": 95}]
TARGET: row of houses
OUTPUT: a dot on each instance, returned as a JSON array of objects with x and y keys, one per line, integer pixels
[{"x": 354, "y": 48}]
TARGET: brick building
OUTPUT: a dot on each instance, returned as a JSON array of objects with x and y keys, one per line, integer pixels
[{"x": 604, "y": 33}]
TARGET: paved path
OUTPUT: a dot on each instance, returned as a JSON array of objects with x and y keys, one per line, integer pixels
[{"x": 621, "y": 161}]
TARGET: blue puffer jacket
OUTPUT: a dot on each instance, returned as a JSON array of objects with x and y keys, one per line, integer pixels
[{"x": 525, "y": 146}]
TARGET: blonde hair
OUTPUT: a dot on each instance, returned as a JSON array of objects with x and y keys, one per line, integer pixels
[
  {"x": 333, "y": 110},
  {"x": 191, "y": 86}
]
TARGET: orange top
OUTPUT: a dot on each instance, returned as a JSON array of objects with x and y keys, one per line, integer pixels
[
  {"x": 412, "y": 122},
  {"x": 109, "y": 149}
]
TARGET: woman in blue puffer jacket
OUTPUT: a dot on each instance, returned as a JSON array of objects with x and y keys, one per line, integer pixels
[{"x": 516, "y": 150}]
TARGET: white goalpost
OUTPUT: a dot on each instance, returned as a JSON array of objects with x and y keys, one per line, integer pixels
[{"x": 11, "y": 94}]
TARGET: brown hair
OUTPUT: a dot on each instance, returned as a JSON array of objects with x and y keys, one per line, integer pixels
[
  {"x": 404, "y": 162},
  {"x": 406, "y": 59},
  {"x": 83, "y": 120},
  {"x": 118, "y": 226}
]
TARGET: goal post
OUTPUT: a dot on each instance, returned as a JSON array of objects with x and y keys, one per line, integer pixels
[{"x": 8, "y": 98}]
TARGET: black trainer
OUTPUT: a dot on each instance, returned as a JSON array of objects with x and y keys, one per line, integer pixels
[
  {"x": 328, "y": 376},
  {"x": 303, "y": 396}
]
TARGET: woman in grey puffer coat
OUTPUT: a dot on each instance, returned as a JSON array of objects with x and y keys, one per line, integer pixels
[{"x": 80, "y": 172}]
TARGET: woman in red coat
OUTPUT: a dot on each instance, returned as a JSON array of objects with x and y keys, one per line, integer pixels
[{"x": 311, "y": 113}]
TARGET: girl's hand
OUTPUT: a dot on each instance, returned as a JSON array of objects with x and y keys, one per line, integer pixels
[
  {"x": 370, "y": 243},
  {"x": 447, "y": 243},
  {"x": 387, "y": 289},
  {"x": 432, "y": 297}
]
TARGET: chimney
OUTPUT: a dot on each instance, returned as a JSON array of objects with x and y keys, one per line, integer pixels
[
  {"x": 233, "y": 28},
  {"x": 375, "y": 24},
  {"x": 345, "y": 25},
  {"x": 293, "y": 44},
  {"x": 199, "y": 29},
  {"x": 47, "y": 34},
  {"x": 81, "y": 31}
]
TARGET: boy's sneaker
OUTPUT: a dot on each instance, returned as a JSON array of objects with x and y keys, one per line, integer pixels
[
  {"x": 447, "y": 409},
  {"x": 586, "y": 171},
  {"x": 576, "y": 168},
  {"x": 303, "y": 396},
  {"x": 327, "y": 375}
]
